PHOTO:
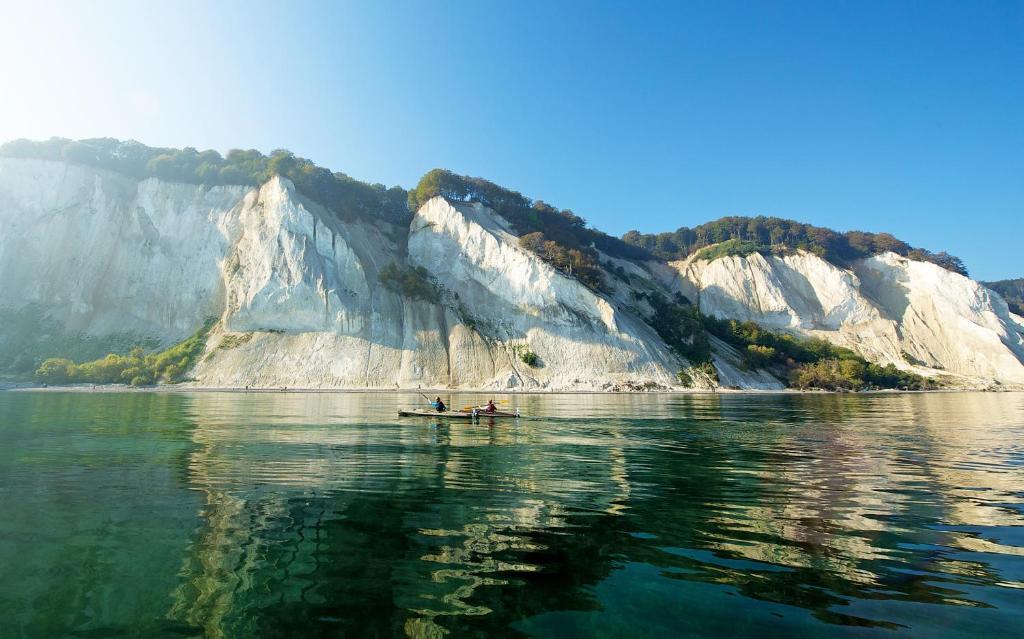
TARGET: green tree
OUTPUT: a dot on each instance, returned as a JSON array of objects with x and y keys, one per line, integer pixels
[
  {"x": 772, "y": 234},
  {"x": 757, "y": 356},
  {"x": 56, "y": 371},
  {"x": 345, "y": 197}
]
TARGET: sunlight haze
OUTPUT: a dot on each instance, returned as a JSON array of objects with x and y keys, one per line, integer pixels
[{"x": 894, "y": 117}]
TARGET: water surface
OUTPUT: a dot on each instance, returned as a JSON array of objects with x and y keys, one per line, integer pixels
[{"x": 322, "y": 515}]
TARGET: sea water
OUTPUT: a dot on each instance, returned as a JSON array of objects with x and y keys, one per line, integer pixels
[{"x": 166, "y": 514}]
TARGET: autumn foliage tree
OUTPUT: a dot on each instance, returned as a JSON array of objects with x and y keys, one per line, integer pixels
[{"x": 581, "y": 264}]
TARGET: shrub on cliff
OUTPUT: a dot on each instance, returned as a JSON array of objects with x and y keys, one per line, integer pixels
[
  {"x": 758, "y": 356},
  {"x": 526, "y": 355},
  {"x": 707, "y": 369},
  {"x": 728, "y": 248},
  {"x": 854, "y": 374},
  {"x": 56, "y": 370},
  {"x": 581, "y": 264},
  {"x": 414, "y": 283},
  {"x": 136, "y": 368},
  {"x": 827, "y": 374},
  {"x": 681, "y": 326}
]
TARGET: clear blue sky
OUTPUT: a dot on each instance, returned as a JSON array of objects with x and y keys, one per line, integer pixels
[{"x": 906, "y": 117}]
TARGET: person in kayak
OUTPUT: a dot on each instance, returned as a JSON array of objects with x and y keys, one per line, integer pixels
[
  {"x": 439, "y": 405},
  {"x": 490, "y": 407}
]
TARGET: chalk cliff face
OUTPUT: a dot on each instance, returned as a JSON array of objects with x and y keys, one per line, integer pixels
[
  {"x": 305, "y": 291},
  {"x": 513, "y": 297},
  {"x": 298, "y": 292},
  {"x": 915, "y": 315},
  {"x": 300, "y": 300},
  {"x": 104, "y": 253}
]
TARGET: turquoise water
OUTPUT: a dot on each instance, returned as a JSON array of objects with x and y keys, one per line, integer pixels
[{"x": 321, "y": 515}]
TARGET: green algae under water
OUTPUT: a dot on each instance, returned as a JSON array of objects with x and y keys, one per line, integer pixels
[{"x": 322, "y": 515}]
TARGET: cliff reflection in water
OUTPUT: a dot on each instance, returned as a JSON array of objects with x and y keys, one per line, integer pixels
[{"x": 324, "y": 515}]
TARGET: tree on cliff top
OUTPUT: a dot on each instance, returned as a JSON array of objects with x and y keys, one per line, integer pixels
[
  {"x": 773, "y": 234},
  {"x": 345, "y": 196},
  {"x": 1012, "y": 291},
  {"x": 525, "y": 215}
]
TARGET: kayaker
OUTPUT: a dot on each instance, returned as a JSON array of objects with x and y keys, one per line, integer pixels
[
  {"x": 439, "y": 405},
  {"x": 490, "y": 408}
]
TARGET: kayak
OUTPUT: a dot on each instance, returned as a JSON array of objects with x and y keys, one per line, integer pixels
[{"x": 454, "y": 414}]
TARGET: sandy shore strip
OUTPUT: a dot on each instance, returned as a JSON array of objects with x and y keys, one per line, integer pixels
[{"x": 187, "y": 388}]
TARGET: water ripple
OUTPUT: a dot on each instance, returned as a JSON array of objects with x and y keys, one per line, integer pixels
[{"x": 320, "y": 514}]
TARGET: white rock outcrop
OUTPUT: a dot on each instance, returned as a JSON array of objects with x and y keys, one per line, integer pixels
[{"x": 915, "y": 315}]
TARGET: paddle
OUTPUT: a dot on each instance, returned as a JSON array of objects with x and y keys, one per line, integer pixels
[
  {"x": 497, "y": 401},
  {"x": 430, "y": 401}
]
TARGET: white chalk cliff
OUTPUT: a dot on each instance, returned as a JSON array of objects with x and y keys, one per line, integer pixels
[
  {"x": 299, "y": 300},
  {"x": 891, "y": 310},
  {"x": 297, "y": 292}
]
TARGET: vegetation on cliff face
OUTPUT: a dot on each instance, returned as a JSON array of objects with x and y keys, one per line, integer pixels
[
  {"x": 729, "y": 248},
  {"x": 136, "y": 368},
  {"x": 680, "y": 325},
  {"x": 1012, "y": 291},
  {"x": 809, "y": 362},
  {"x": 349, "y": 198},
  {"x": 801, "y": 362},
  {"x": 560, "y": 231},
  {"x": 526, "y": 356},
  {"x": 345, "y": 196},
  {"x": 29, "y": 336},
  {"x": 524, "y": 214},
  {"x": 411, "y": 282},
  {"x": 772, "y": 234},
  {"x": 581, "y": 264}
]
